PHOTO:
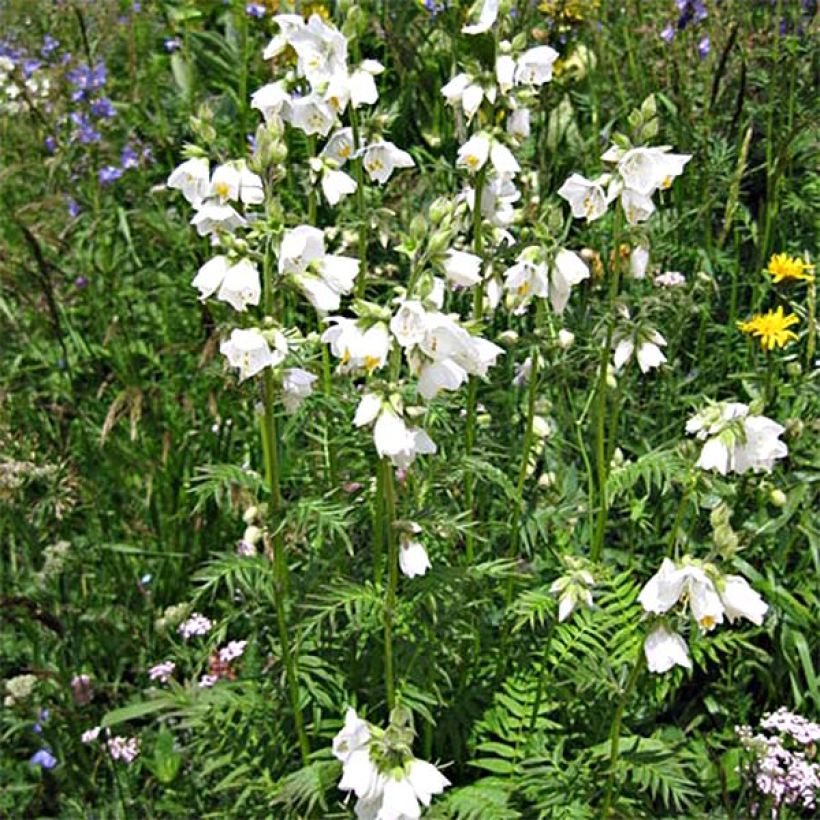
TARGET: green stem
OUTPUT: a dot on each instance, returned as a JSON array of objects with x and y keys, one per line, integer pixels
[
  {"x": 389, "y": 499},
  {"x": 472, "y": 387},
  {"x": 615, "y": 733},
  {"x": 601, "y": 415},
  {"x": 270, "y": 446},
  {"x": 525, "y": 455},
  {"x": 360, "y": 203}
]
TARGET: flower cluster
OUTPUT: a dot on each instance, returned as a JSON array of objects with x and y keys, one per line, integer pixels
[
  {"x": 781, "y": 767},
  {"x": 710, "y": 596},
  {"x": 736, "y": 440},
  {"x": 689, "y": 12},
  {"x": 197, "y": 624},
  {"x": 379, "y": 768},
  {"x": 573, "y": 588},
  {"x": 162, "y": 672}
]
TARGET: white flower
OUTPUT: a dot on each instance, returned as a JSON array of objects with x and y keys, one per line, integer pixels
[
  {"x": 249, "y": 351},
  {"x": 210, "y": 276},
  {"x": 462, "y": 91},
  {"x": 355, "y": 346},
  {"x": 670, "y": 279},
  {"x": 565, "y": 339},
  {"x": 535, "y": 66},
  {"x": 649, "y": 354},
  {"x": 740, "y": 600},
  {"x": 354, "y": 735},
  {"x": 664, "y": 649},
  {"x": 289, "y": 24},
  {"x": 505, "y": 164},
  {"x": 505, "y": 72},
  {"x": 497, "y": 198},
  {"x": 393, "y": 439},
  {"x": 363, "y": 89},
  {"x": 474, "y": 153},
  {"x": 637, "y": 207},
  {"x": 518, "y": 124},
  {"x": 336, "y": 185},
  {"x": 212, "y": 216},
  {"x": 526, "y": 279},
  {"x": 360, "y": 775},
  {"x": 568, "y": 269},
  {"x": 645, "y": 169},
  {"x": 310, "y": 114},
  {"x": 321, "y": 50},
  {"x": 638, "y": 262},
  {"x": 487, "y": 16},
  {"x": 240, "y": 285},
  {"x": 586, "y": 197},
  {"x": 297, "y": 385},
  {"x": 192, "y": 178},
  {"x": 462, "y": 268},
  {"x": 426, "y": 780},
  {"x": 736, "y": 441},
  {"x": 234, "y": 181},
  {"x": 442, "y": 375},
  {"x": 322, "y": 277},
  {"x": 413, "y": 558},
  {"x": 409, "y": 324},
  {"x": 340, "y": 146},
  {"x": 381, "y": 158},
  {"x": 272, "y": 100}
]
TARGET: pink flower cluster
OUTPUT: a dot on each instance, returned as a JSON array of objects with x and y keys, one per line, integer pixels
[
  {"x": 162, "y": 671},
  {"x": 195, "y": 625},
  {"x": 780, "y": 769},
  {"x": 124, "y": 748}
]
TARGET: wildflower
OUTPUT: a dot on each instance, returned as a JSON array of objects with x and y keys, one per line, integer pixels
[
  {"x": 413, "y": 558},
  {"x": 208, "y": 681},
  {"x": 322, "y": 277},
  {"x": 392, "y": 437},
  {"x": 192, "y": 178},
  {"x": 250, "y": 352},
  {"x": 339, "y": 146},
  {"x": 772, "y": 328},
  {"x": 44, "y": 759},
  {"x": 336, "y": 185},
  {"x": 110, "y": 173},
  {"x": 648, "y": 346},
  {"x": 90, "y": 735},
  {"x": 463, "y": 269},
  {"x": 664, "y": 649},
  {"x": 297, "y": 385},
  {"x": 534, "y": 66},
  {"x": 573, "y": 588},
  {"x": 586, "y": 197},
  {"x": 237, "y": 284},
  {"x": 162, "y": 672},
  {"x": 668, "y": 34},
  {"x": 566, "y": 338},
  {"x": 378, "y": 767},
  {"x": 638, "y": 262},
  {"x": 644, "y": 170},
  {"x": 271, "y": 100},
  {"x": 19, "y": 688},
  {"x": 486, "y": 18},
  {"x": 504, "y": 72},
  {"x": 409, "y": 323},
  {"x": 195, "y": 625},
  {"x": 704, "y": 47},
  {"x": 232, "y": 651},
  {"x": 670, "y": 279},
  {"x": 518, "y": 123},
  {"x": 125, "y": 749},
  {"x": 785, "y": 268},
  {"x": 357, "y": 346},
  {"x": 380, "y": 159},
  {"x": 310, "y": 114},
  {"x": 255, "y": 10},
  {"x": 463, "y": 91}
]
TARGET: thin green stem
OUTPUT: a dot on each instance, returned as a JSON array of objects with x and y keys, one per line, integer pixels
[
  {"x": 392, "y": 580},
  {"x": 472, "y": 387},
  {"x": 615, "y": 733},
  {"x": 532, "y": 391},
  {"x": 601, "y": 391},
  {"x": 270, "y": 447},
  {"x": 361, "y": 207}
]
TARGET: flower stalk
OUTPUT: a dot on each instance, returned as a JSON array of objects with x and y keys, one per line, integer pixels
[{"x": 388, "y": 499}]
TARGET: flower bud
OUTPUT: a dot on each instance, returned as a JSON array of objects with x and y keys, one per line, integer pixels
[
  {"x": 794, "y": 369},
  {"x": 778, "y": 498},
  {"x": 253, "y": 535},
  {"x": 507, "y": 338},
  {"x": 565, "y": 339},
  {"x": 440, "y": 208},
  {"x": 250, "y": 515}
]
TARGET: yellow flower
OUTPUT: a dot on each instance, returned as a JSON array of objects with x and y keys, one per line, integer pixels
[
  {"x": 771, "y": 328},
  {"x": 785, "y": 268},
  {"x": 315, "y": 8}
]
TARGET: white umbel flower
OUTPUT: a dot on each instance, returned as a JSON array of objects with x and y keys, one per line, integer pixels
[{"x": 665, "y": 649}]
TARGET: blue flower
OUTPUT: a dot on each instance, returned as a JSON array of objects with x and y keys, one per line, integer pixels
[
  {"x": 129, "y": 158},
  {"x": 172, "y": 44},
  {"x": 255, "y": 10},
  {"x": 44, "y": 759},
  {"x": 50, "y": 45},
  {"x": 109, "y": 174},
  {"x": 704, "y": 46},
  {"x": 103, "y": 107},
  {"x": 668, "y": 34}
]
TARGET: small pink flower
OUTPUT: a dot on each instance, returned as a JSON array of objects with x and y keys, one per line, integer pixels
[
  {"x": 195, "y": 625},
  {"x": 90, "y": 735},
  {"x": 234, "y": 650},
  {"x": 207, "y": 681},
  {"x": 162, "y": 671},
  {"x": 124, "y": 748}
]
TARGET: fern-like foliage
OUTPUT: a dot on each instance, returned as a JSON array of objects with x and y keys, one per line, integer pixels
[{"x": 657, "y": 469}]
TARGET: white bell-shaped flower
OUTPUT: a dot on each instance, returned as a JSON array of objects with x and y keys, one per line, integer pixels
[
  {"x": 297, "y": 385},
  {"x": 310, "y": 114},
  {"x": 240, "y": 285},
  {"x": 336, "y": 185},
  {"x": 534, "y": 66},
  {"x": 486, "y": 18},
  {"x": 461, "y": 268},
  {"x": 568, "y": 269},
  {"x": 192, "y": 178},
  {"x": 413, "y": 559},
  {"x": 354, "y": 735},
  {"x": 586, "y": 197},
  {"x": 665, "y": 649},
  {"x": 380, "y": 159},
  {"x": 339, "y": 146},
  {"x": 740, "y": 600},
  {"x": 249, "y": 351}
]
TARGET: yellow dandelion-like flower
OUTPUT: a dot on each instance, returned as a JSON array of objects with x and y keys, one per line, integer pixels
[
  {"x": 785, "y": 268},
  {"x": 771, "y": 328}
]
